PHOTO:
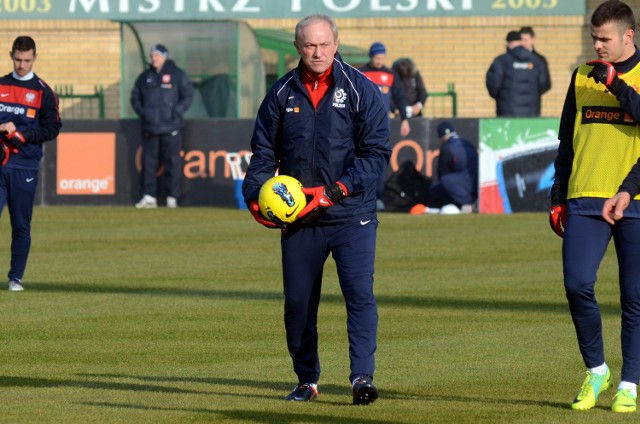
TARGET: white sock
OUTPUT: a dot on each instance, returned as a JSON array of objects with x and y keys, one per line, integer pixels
[
  {"x": 600, "y": 370},
  {"x": 625, "y": 385}
]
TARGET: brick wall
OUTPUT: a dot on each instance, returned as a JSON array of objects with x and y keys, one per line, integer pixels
[
  {"x": 78, "y": 53},
  {"x": 458, "y": 50}
]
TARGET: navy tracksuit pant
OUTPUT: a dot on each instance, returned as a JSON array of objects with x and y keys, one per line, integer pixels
[
  {"x": 17, "y": 192},
  {"x": 304, "y": 252},
  {"x": 584, "y": 245},
  {"x": 165, "y": 147}
]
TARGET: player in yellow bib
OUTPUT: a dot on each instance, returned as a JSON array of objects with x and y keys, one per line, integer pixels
[{"x": 599, "y": 148}]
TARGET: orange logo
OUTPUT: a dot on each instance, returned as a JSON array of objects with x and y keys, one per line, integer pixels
[{"x": 86, "y": 164}]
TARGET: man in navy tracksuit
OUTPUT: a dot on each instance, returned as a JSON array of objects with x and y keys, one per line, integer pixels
[
  {"x": 161, "y": 95},
  {"x": 325, "y": 124},
  {"x": 28, "y": 117}
]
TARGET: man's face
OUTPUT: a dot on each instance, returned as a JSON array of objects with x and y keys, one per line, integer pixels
[
  {"x": 157, "y": 60},
  {"x": 23, "y": 61},
  {"x": 377, "y": 61},
  {"x": 316, "y": 47},
  {"x": 612, "y": 43},
  {"x": 527, "y": 41}
]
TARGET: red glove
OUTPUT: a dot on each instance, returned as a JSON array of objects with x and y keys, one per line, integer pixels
[
  {"x": 558, "y": 219},
  {"x": 604, "y": 73},
  {"x": 323, "y": 197},
  {"x": 254, "y": 208},
  {"x": 5, "y": 152},
  {"x": 15, "y": 139}
]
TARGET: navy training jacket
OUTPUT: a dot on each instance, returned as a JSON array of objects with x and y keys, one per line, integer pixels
[
  {"x": 516, "y": 80},
  {"x": 346, "y": 139},
  {"x": 160, "y": 98},
  {"x": 33, "y": 108}
]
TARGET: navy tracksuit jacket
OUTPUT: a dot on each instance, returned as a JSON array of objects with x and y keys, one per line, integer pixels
[
  {"x": 33, "y": 108},
  {"x": 345, "y": 139}
]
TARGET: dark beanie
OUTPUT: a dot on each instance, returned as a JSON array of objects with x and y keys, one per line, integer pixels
[
  {"x": 377, "y": 48},
  {"x": 513, "y": 36},
  {"x": 159, "y": 48},
  {"x": 444, "y": 128}
]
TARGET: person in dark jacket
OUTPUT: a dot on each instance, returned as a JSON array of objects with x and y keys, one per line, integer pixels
[
  {"x": 517, "y": 79},
  {"x": 325, "y": 124},
  {"x": 456, "y": 190},
  {"x": 457, "y": 171},
  {"x": 388, "y": 82},
  {"x": 393, "y": 95},
  {"x": 415, "y": 91},
  {"x": 161, "y": 95},
  {"x": 528, "y": 37},
  {"x": 29, "y": 117}
]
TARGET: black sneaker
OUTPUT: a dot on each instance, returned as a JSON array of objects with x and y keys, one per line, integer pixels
[
  {"x": 364, "y": 392},
  {"x": 303, "y": 392}
]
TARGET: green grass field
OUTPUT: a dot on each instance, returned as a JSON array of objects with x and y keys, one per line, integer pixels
[{"x": 175, "y": 316}]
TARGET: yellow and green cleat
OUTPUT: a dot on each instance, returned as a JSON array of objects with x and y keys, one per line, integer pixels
[
  {"x": 593, "y": 385},
  {"x": 624, "y": 401}
]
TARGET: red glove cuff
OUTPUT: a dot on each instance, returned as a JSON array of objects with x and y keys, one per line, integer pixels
[
  {"x": 17, "y": 135},
  {"x": 344, "y": 188}
]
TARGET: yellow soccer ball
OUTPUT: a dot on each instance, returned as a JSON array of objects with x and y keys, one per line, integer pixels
[{"x": 281, "y": 198}]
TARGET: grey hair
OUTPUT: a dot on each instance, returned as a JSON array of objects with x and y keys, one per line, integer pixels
[{"x": 307, "y": 20}]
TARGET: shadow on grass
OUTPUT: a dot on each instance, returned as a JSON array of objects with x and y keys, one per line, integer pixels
[
  {"x": 250, "y": 416},
  {"x": 332, "y": 389},
  {"x": 559, "y": 307},
  {"x": 15, "y": 381},
  {"x": 100, "y": 381}
]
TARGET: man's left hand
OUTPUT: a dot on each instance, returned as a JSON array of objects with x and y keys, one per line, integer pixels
[
  {"x": 323, "y": 197},
  {"x": 613, "y": 208}
]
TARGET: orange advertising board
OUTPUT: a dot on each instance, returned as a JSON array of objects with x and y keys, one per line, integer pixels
[{"x": 86, "y": 164}]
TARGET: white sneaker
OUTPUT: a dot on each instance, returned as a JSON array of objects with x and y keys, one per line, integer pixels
[
  {"x": 172, "y": 202},
  {"x": 15, "y": 285},
  {"x": 147, "y": 202},
  {"x": 449, "y": 209},
  {"x": 469, "y": 208}
]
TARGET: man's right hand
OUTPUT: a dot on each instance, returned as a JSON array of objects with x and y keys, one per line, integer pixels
[
  {"x": 254, "y": 208},
  {"x": 558, "y": 219}
]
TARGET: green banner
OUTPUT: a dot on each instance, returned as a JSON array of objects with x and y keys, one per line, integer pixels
[{"x": 137, "y": 10}]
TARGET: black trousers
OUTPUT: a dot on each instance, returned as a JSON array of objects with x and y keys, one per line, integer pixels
[{"x": 161, "y": 149}]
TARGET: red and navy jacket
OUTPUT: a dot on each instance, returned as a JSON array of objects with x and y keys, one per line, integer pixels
[
  {"x": 32, "y": 106},
  {"x": 345, "y": 139},
  {"x": 390, "y": 86}
]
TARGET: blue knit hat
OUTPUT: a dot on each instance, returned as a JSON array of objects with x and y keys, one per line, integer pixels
[
  {"x": 444, "y": 128},
  {"x": 159, "y": 48},
  {"x": 377, "y": 48}
]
